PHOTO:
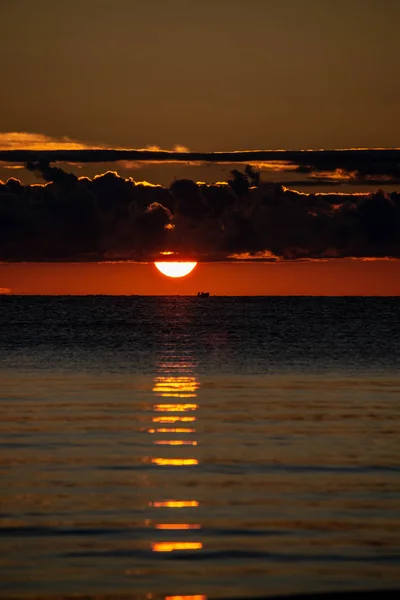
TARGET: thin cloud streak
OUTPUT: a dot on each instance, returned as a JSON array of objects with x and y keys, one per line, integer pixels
[
  {"x": 24, "y": 140},
  {"x": 38, "y": 145},
  {"x": 322, "y": 158},
  {"x": 317, "y": 166}
]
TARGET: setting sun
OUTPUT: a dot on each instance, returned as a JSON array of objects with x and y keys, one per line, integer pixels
[{"x": 175, "y": 269}]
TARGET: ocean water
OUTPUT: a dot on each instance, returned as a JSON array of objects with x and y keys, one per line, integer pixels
[{"x": 156, "y": 447}]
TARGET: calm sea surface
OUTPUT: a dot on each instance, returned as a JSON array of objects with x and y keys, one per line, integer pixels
[{"x": 174, "y": 446}]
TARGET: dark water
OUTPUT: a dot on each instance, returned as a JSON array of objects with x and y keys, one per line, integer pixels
[{"x": 161, "y": 447}]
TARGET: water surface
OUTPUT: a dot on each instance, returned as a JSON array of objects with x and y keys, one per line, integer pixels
[{"x": 211, "y": 447}]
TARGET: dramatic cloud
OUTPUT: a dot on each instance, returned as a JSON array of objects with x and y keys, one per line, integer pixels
[{"x": 112, "y": 218}]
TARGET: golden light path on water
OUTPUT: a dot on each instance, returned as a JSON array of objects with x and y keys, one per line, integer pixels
[
  {"x": 171, "y": 546},
  {"x": 175, "y": 462},
  {"x": 176, "y": 442},
  {"x": 174, "y": 419},
  {"x": 195, "y": 597},
  {"x": 175, "y": 526},
  {"x": 174, "y": 407},
  {"x": 171, "y": 430},
  {"x": 175, "y": 504},
  {"x": 179, "y": 389}
]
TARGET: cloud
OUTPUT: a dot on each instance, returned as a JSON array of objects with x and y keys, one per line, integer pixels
[
  {"x": 35, "y": 147},
  {"x": 38, "y": 145},
  {"x": 23, "y": 140},
  {"x": 114, "y": 218},
  {"x": 364, "y": 165}
]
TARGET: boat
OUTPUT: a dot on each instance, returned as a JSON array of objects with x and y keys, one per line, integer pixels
[{"x": 203, "y": 294}]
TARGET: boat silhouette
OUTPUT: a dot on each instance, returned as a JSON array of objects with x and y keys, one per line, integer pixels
[{"x": 203, "y": 294}]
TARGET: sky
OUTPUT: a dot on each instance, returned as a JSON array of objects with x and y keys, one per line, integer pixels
[
  {"x": 207, "y": 74},
  {"x": 203, "y": 76}
]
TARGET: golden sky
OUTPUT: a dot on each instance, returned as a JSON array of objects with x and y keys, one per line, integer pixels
[{"x": 204, "y": 75}]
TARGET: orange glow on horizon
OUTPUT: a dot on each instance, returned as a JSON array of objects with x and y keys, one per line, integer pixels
[
  {"x": 175, "y": 269},
  {"x": 328, "y": 277}
]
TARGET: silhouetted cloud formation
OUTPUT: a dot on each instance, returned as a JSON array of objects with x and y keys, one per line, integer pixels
[
  {"x": 316, "y": 167},
  {"x": 355, "y": 165},
  {"x": 109, "y": 218}
]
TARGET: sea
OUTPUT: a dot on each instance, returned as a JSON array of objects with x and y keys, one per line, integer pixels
[{"x": 182, "y": 447}]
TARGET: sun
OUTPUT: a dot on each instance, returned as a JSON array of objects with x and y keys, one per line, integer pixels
[{"x": 175, "y": 269}]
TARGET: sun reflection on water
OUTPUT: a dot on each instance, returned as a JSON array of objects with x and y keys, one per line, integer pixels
[
  {"x": 171, "y": 546},
  {"x": 175, "y": 442},
  {"x": 175, "y": 462},
  {"x": 195, "y": 597},
  {"x": 175, "y": 504},
  {"x": 172, "y": 430},
  {"x": 176, "y": 387},
  {"x": 175, "y": 407},
  {"x": 168, "y": 419},
  {"x": 174, "y": 526},
  {"x": 182, "y": 387}
]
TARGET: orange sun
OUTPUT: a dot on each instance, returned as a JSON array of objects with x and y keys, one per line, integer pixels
[{"x": 175, "y": 269}]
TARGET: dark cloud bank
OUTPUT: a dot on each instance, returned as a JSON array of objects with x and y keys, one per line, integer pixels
[
  {"x": 367, "y": 166},
  {"x": 112, "y": 218}
]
